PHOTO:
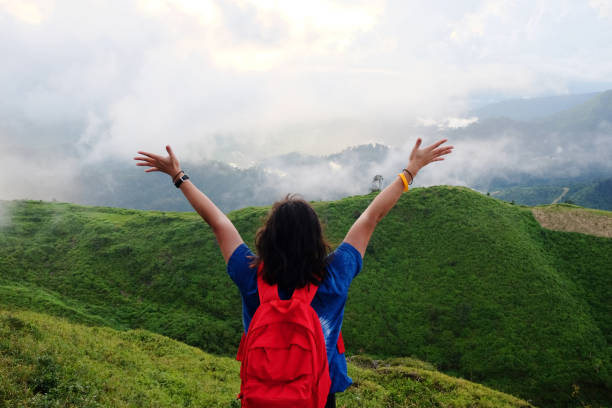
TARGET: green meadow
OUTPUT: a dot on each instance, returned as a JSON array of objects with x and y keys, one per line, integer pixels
[
  {"x": 47, "y": 361},
  {"x": 470, "y": 284}
]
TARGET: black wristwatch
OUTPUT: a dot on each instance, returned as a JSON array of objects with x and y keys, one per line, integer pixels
[{"x": 180, "y": 180}]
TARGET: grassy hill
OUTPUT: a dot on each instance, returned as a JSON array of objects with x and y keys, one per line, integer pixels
[
  {"x": 47, "y": 361},
  {"x": 469, "y": 283}
]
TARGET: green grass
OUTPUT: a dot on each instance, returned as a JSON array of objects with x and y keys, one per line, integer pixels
[
  {"x": 469, "y": 283},
  {"x": 49, "y": 362}
]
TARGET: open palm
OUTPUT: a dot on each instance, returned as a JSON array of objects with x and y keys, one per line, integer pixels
[
  {"x": 168, "y": 164},
  {"x": 421, "y": 157}
]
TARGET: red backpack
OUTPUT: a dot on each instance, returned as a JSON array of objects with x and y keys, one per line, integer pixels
[{"x": 284, "y": 361}]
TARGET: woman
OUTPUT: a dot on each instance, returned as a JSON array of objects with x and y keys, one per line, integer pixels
[{"x": 293, "y": 250}]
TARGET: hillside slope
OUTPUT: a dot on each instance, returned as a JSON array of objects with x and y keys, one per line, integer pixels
[
  {"x": 467, "y": 282},
  {"x": 594, "y": 194},
  {"x": 594, "y": 113},
  {"x": 46, "y": 361}
]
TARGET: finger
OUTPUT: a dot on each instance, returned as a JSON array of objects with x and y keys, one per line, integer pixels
[
  {"x": 442, "y": 150},
  {"x": 151, "y": 155},
  {"x": 435, "y": 145},
  {"x": 169, "y": 150},
  {"x": 151, "y": 169},
  {"x": 437, "y": 159},
  {"x": 144, "y": 159},
  {"x": 416, "y": 145},
  {"x": 146, "y": 163}
]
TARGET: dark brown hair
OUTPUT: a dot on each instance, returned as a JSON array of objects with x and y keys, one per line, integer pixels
[{"x": 291, "y": 245}]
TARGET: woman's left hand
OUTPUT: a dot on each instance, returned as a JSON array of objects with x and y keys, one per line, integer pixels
[
  {"x": 169, "y": 164},
  {"x": 421, "y": 157}
]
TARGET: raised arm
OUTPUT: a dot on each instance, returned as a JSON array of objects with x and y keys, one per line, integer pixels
[
  {"x": 361, "y": 231},
  {"x": 227, "y": 235}
]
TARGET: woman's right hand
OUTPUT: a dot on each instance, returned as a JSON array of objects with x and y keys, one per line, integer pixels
[
  {"x": 169, "y": 164},
  {"x": 227, "y": 235}
]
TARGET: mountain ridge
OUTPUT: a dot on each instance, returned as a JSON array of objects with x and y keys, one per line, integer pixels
[{"x": 528, "y": 109}]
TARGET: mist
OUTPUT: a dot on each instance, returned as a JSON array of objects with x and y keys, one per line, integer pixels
[
  {"x": 6, "y": 209},
  {"x": 478, "y": 161}
]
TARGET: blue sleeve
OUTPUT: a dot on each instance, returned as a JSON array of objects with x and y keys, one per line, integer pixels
[
  {"x": 345, "y": 265},
  {"x": 239, "y": 269}
]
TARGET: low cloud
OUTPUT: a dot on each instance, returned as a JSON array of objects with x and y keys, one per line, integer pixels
[
  {"x": 42, "y": 174},
  {"x": 6, "y": 210},
  {"x": 481, "y": 160}
]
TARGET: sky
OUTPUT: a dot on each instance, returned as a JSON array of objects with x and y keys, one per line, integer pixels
[{"x": 242, "y": 80}]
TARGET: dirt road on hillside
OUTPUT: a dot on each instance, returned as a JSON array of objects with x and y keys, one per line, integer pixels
[{"x": 565, "y": 190}]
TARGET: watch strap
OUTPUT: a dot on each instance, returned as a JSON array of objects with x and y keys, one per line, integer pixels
[{"x": 180, "y": 180}]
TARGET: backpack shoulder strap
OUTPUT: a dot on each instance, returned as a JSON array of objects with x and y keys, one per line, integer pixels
[
  {"x": 269, "y": 292},
  {"x": 305, "y": 294},
  {"x": 266, "y": 291}
]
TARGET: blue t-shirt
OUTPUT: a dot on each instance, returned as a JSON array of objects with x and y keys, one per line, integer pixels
[{"x": 328, "y": 302}]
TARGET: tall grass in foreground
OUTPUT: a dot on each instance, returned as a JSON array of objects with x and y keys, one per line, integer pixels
[{"x": 48, "y": 362}]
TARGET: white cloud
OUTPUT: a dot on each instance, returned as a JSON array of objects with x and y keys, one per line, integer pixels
[
  {"x": 480, "y": 22},
  {"x": 24, "y": 10},
  {"x": 448, "y": 123},
  {"x": 603, "y": 7},
  {"x": 241, "y": 80},
  {"x": 276, "y": 33}
]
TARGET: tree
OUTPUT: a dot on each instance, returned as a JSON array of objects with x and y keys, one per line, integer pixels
[{"x": 377, "y": 183}]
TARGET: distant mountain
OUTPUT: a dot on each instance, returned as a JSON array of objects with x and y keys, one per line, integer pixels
[
  {"x": 531, "y": 108},
  {"x": 570, "y": 146},
  {"x": 371, "y": 153},
  {"x": 121, "y": 184},
  {"x": 595, "y": 114},
  {"x": 366, "y": 154},
  {"x": 595, "y": 194}
]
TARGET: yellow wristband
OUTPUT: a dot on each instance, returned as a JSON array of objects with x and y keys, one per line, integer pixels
[{"x": 404, "y": 181}]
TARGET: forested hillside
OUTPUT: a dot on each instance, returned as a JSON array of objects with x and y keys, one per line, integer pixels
[
  {"x": 594, "y": 194},
  {"x": 467, "y": 282}
]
